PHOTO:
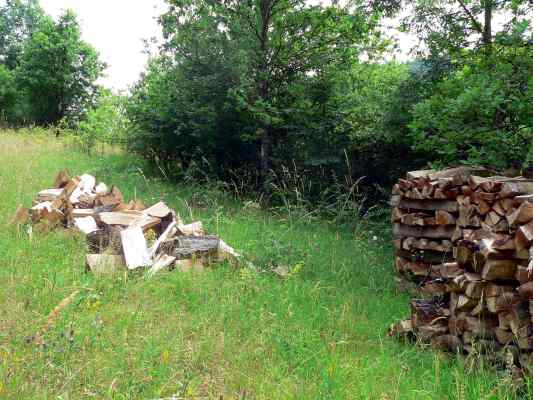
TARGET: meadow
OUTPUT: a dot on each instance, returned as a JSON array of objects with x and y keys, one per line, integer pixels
[{"x": 226, "y": 333}]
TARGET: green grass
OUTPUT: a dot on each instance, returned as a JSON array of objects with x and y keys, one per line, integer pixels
[{"x": 225, "y": 333}]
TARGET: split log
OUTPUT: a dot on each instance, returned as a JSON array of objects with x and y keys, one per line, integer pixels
[
  {"x": 204, "y": 247},
  {"x": 524, "y": 236},
  {"x": 443, "y": 217},
  {"x": 439, "y": 232},
  {"x": 105, "y": 263},
  {"x": 522, "y": 215},
  {"x": 499, "y": 269},
  {"x": 135, "y": 248},
  {"x": 429, "y": 205}
]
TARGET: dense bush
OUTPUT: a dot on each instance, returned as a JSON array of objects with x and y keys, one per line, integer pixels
[{"x": 482, "y": 113}]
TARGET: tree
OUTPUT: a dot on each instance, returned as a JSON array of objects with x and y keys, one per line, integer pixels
[
  {"x": 450, "y": 26},
  {"x": 58, "y": 71},
  {"x": 19, "y": 19},
  {"x": 273, "y": 44}
]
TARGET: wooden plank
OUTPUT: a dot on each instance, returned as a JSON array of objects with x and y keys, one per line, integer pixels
[
  {"x": 159, "y": 210},
  {"x": 125, "y": 218},
  {"x": 135, "y": 248},
  {"x": 437, "y": 232}
]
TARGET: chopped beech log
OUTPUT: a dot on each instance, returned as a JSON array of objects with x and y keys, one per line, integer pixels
[
  {"x": 438, "y": 232},
  {"x": 86, "y": 224},
  {"x": 447, "y": 342},
  {"x": 83, "y": 212},
  {"x": 463, "y": 172},
  {"x": 125, "y": 218},
  {"x": 101, "y": 189},
  {"x": 429, "y": 205},
  {"x": 159, "y": 210},
  {"x": 135, "y": 248},
  {"x": 49, "y": 194},
  {"x": 413, "y": 219},
  {"x": 524, "y": 236},
  {"x": 457, "y": 234},
  {"x": 160, "y": 263},
  {"x": 468, "y": 217},
  {"x": 501, "y": 303},
  {"x": 525, "y": 343},
  {"x": 396, "y": 190},
  {"x": 450, "y": 270},
  {"x": 526, "y": 291},
  {"x": 394, "y": 201},
  {"x": 489, "y": 198},
  {"x": 188, "y": 265},
  {"x": 417, "y": 268},
  {"x": 105, "y": 263},
  {"x": 426, "y": 256},
  {"x": 193, "y": 229},
  {"x": 465, "y": 303},
  {"x": 146, "y": 222},
  {"x": 499, "y": 269},
  {"x": 425, "y": 311},
  {"x": 474, "y": 290},
  {"x": 227, "y": 253},
  {"x": 522, "y": 215},
  {"x": 397, "y": 214},
  {"x": 196, "y": 247},
  {"x": 403, "y": 329},
  {"x": 397, "y": 244},
  {"x": 435, "y": 288},
  {"x": 427, "y": 332},
  {"x": 22, "y": 216},
  {"x": 405, "y": 184},
  {"x": 483, "y": 207},
  {"x": 420, "y": 174},
  {"x": 62, "y": 179},
  {"x": 523, "y": 275},
  {"x": 503, "y": 336},
  {"x": 514, "y": 188},
  {"x": 444, "y": 218}
]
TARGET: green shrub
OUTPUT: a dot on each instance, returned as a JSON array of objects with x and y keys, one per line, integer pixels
[{"x": 480, "y": 114}]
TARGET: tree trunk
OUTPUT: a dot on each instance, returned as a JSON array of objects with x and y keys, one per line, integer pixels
[
  {"x": 265, "y": 10},
  {"x": 487, "y": 28}
]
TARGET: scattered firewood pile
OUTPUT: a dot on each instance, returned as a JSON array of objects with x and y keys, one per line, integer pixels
[
  {"x": 465, "y": 237},
  {"x": 123, "y": 235}
]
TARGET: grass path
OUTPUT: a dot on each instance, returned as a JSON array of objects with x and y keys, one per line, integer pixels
[{"x": 318, "y": 335}]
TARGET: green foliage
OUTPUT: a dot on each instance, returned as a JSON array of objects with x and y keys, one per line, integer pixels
[
  {"x": 230, "y": 81},
  {"x": 106, "y": 123},
  {"x": 52, "y": 71},
  {"x": 58, "y": 71},
  {"x": 480, "y": 114},
  {"x": 19, "y": 19},
  {"x": 7, "y": 93}
]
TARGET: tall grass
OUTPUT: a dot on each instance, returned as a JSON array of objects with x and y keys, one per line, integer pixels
[{"x": 226, "y": 333}]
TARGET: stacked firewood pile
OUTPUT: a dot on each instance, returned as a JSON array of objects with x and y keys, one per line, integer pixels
[
  {"x": 122, "y": 235},
  {"x": 465, "y": 237}
]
